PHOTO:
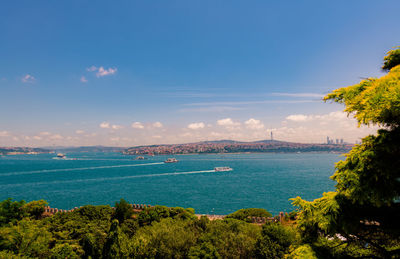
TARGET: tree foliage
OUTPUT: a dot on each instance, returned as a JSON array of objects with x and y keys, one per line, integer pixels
[
  {"x": 275, "y": 242},
  {"x": 35, "y": 208},
  {"x": 246, "y": 214},
  {"x": 392, "y": 59},
  {"x": 11, "y": 211},
  {"x": 362, "y": 214},
  {"x": 123, "y": 211}
]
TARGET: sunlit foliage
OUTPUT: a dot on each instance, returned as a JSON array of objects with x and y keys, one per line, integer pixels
[{"x": 361, "y": 217}]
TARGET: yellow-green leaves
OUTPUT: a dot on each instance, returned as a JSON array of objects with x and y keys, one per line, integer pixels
[{"x": 372, "y": 101}]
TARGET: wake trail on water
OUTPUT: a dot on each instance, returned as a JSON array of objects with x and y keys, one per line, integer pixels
[
  {"x": 77, "y": 169},
  {"x": 112, "y": 178}
]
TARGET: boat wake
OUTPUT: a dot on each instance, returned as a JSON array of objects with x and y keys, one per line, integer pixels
[
  {"x": 77, "y": 169},
  {"x": 111, "y": 178}
]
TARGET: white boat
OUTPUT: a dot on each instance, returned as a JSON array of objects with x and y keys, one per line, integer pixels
[
  {"x": 140, "y": 158},
  {"x": 171, "y": 160},
  {"x": 60, "y": 156},
  {"x": 223, "y": 169}
]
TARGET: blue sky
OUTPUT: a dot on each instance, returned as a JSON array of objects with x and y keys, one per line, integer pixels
[{"x": 82, "y": 72}]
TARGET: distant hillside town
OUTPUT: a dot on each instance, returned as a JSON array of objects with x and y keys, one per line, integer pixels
[
  {"x": 219, "y": 146},
  {"x": 229, "y": 146},
  {"x": 22, "y": 150}
]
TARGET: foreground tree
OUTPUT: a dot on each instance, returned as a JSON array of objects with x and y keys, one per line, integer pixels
[{"x": 363, "y": 213}]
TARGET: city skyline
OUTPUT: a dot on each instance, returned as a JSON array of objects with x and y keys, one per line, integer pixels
[{"x": 135, "y": 73}]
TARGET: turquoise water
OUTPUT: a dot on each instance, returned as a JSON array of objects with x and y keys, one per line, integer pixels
[{"x": 258, "y": 180}]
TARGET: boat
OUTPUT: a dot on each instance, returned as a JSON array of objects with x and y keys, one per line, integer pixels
[
  {"x": 61, "y": 156},
  {"x": 140, "y": 158},
  {"x": 223, "y": 169},
  {"x": 171, "y": 160}
]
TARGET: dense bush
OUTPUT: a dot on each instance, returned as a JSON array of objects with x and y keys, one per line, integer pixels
[{"x": 246, "y": 214}]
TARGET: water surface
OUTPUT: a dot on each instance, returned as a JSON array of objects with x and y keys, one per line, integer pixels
[{"x": 263, "y": 180}]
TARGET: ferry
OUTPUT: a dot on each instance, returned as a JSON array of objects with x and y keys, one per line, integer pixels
[
  {"x": 140, "y": 158},
  {"x": 171, "y": 160},
  {"x": 223, "y": 169},
  {"x": 61, "y": 156}
]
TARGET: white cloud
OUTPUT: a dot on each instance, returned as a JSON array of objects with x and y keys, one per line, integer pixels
[
  {"x": 56, "y": 137},
  {"x": 157, "y": 124},
  {"x": 227, "y": 122},
  {"x": 116, "y": 139},
  {"x": 105, "y": 72},
  {"x": 4, "y": 133},
  {"x": 315, "y": 95},
  {"x": 28, "y": 78},
  {"x": 298, "y": 117},
  {"x": 196, "y": 125},
  {"x": 105, "y": 125},
  {"x": 83, "y": 79},
  {"x": 37, "y": 138},
  {"x": 91, "y": 69},
  {"x": 249, "y": 102},
  {"x": 45, "y": 133},
  {"x": 116, "y": 127},
  {"x": 219, "y": 109},
  {"x": 101, "y": 71},
  {"x": 79, "y": 131},
  {"x": 254, "y": 124},
  {"x": 137, "y": 125},
  {"x": 338, "y": 115}
]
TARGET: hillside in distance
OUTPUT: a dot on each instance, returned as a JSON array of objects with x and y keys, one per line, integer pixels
[
  {"x": 88, "y": 149},
  {"x": 230, "y": 146},
  {"x": 22, "y": 150}
]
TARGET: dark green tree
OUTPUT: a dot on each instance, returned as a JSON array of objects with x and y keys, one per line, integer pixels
[
  {"x": 123, "y": 211},
  {"x": 35, "y": 208},
  {"x": 363, "y": 212},
  {"x": 11, "y": 211},
  {"x": 275, "y": 241},
  {"x": 112, "y": 247},
  {"x": 391, "y": 60},
  {"x": 247, "y": 214}
]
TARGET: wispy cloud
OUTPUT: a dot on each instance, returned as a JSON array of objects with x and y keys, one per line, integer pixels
[
  {"x": 83, "y": 79},
  {"x": 28, "y": 79},
  {"x": 4, "y": 133},
  {"x": 117, "y": 127},
  {"x": 254, "y": 124},
  {"x": 227, "y": 122},
  {"x": 196, "y": 125},
  {"x": 56, "y": 137},
  {"x": 101, "y": 71},
  {"x": 105, "y": 125},
  {"x": 157, "y": 124},
  {"x": 137, "y": 125},
  {"x": 217, "y": 109},
  {"x": 250, "y": 102},
  {"x": 312, "y": 95},
  {"x": 332, "y": 116}
]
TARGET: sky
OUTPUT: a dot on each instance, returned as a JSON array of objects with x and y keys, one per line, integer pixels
[{"x": 126, "y": 73}]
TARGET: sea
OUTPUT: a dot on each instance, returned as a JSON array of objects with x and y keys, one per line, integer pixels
[{"x": 258, "y": 180}]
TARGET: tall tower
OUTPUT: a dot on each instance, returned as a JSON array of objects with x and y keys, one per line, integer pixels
[{"x": 272, "y": 137}]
